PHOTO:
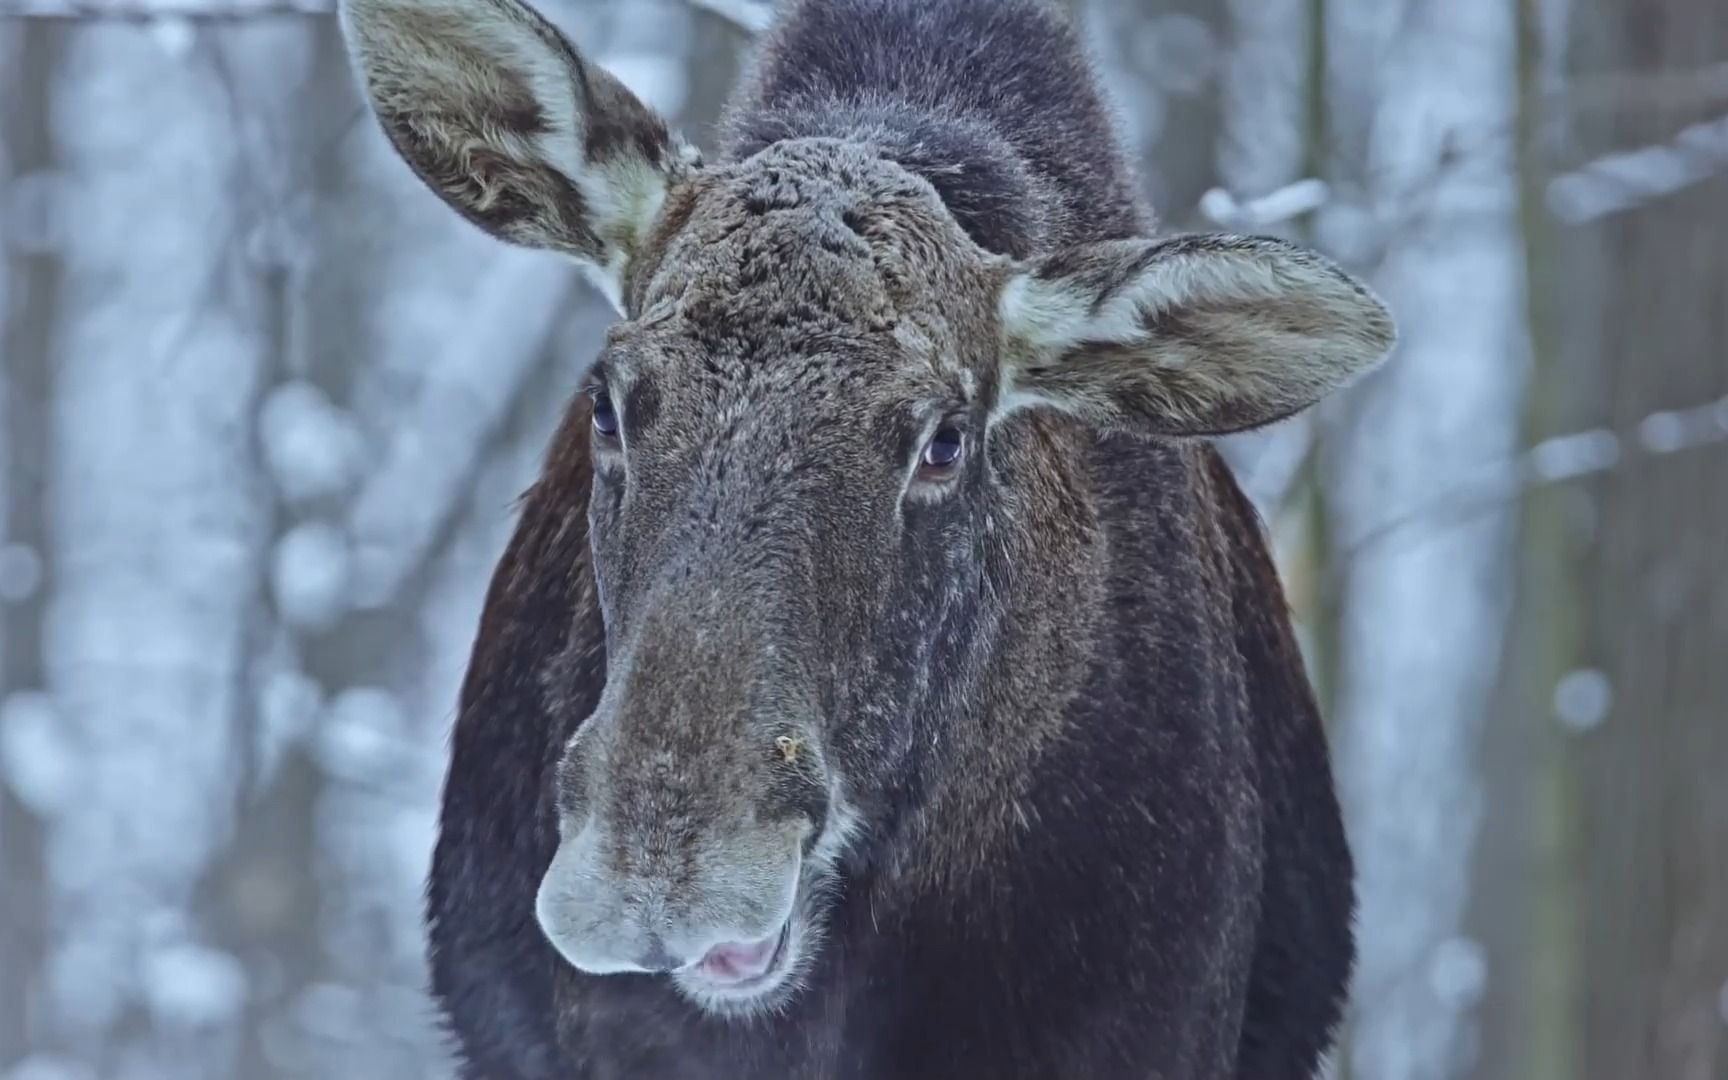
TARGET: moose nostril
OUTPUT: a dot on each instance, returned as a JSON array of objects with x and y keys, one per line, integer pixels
[{"x": 657, "y": 960}]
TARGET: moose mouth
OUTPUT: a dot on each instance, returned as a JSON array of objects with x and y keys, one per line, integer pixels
[{"x": 736, "y": 973}]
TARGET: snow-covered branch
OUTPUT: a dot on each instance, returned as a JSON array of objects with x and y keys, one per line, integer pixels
[
  {"x": 1263, "y": 123},
  {"x": 1274, "y": 208},
  {"x": 1556, "y": 460},
  {"x": 1420, "y": 96},
  {"x": 1623, "y": 181},
  {"x": 1266, "y": 82}
]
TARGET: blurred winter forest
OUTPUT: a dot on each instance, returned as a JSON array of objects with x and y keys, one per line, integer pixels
[{"x": 265, "y": 405}]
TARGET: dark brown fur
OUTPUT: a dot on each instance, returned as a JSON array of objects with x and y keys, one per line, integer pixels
[{"x": 1037, "y": 736}]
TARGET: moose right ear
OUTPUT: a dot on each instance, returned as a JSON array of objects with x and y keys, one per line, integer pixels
[
  {"x": 1186, "y": 335},
  {"x": 499, "y": 115}
]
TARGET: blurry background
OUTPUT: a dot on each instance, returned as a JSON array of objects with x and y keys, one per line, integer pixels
[{"x": 265, "y": 405}]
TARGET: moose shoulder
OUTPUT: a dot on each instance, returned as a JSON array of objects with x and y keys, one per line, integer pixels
[{"x": 886, "y": 678}]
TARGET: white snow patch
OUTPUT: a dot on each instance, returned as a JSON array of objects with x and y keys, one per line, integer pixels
[
  {"x": 409, "y": 834},
  {"x": 1459, "y": 972},
  {"x": 1582, "y": 699},
  {"x": 1275, "y": 207},
  {"x": 90, "y": 977},
  {"x": 20, "y": 573},
  {"x": 309, "y": 573},
  {"x": 362, "y": 735},
  {"x": 1662, "y": 433},
  {"x": 1578, "y": 454},
  {"x": 289, "y": 703},
  {"x": 50, "y": 1067},
  {"x": 193, "y": 986},
  {"x": 311, "y": 447},
  {"x": 175, "y": 34},
  {"x": 36, "y": 760},
  {"x": 332, "y": 1011}
]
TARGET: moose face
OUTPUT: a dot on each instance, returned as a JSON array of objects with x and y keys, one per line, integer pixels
[
  {"x": 784, "y": 513},
  {"x": 808, "y": 498}
]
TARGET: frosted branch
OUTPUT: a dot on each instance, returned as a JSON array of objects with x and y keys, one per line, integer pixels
[
  {"x": 752, "y": 16},
  {"x": 1264, "y": 93},
  {"x": 1562, "y": 458},
  {"x": 1289, "y": 201},
  {"x": 1624, "y": 181}
]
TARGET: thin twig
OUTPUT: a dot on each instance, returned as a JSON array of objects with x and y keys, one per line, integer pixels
[{"x": 1557, "y": 460}]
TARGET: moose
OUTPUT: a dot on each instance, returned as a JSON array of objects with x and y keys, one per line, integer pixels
[{"x": 887, "y": 678}]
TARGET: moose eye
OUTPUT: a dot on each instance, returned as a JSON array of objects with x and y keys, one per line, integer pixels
[
  {"x": 944, "y": 450},
  {"x": 605, "y": 415}
]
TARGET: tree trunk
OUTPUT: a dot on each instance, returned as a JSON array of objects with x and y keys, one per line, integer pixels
[
  {"x": 1524, "y": 906},
  {"x": 1265, "y": 143},
  {"x": 1649, "y": 858},
  {"x": 1419, "y": 97},
  {"x": 13, "y": 866},
  {"x": 154, "y": 515}
]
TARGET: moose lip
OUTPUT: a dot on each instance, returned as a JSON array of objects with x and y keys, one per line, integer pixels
[{"x": 742, "y": 967}]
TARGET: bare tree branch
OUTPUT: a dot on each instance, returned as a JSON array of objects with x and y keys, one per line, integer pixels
[
  {"x": 1619, "y": 182},
  {"x": 1557, "y": 460},
  {"x": 1274, "y": 208}
]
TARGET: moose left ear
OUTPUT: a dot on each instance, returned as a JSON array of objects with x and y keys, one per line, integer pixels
[
  {"x": 514, "y": 129},
  {"x": 1188, "y": 335}
]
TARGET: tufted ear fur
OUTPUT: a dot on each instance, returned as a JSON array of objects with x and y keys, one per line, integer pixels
[
  {"x": 1188, "y": 335},
  {"x": 498, "y": 114}
]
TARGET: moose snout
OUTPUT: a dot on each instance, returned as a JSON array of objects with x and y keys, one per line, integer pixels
[{"x": 727, "y": 922}]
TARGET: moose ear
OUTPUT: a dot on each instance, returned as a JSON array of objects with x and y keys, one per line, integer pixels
[
  {"x": 498, "y": 114},
  {"x": 1189, "y": 335}
]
